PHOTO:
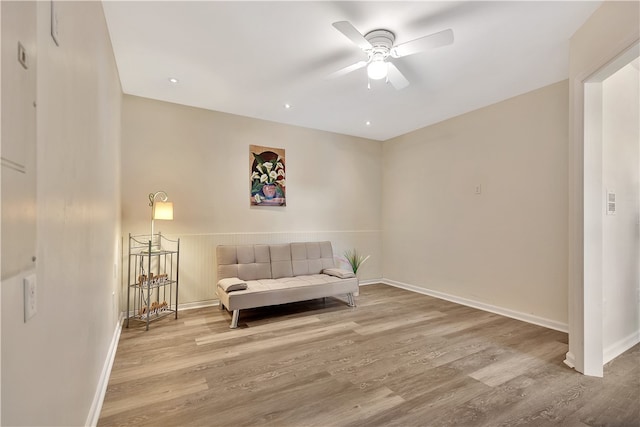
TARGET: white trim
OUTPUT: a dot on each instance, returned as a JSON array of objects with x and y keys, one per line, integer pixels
[
  {"x": 570, "y": 360},
  {"x": 617, "y": 348},
  {"x": 525, "y": 317},
  {"x": 262, "y": 233},
  {"x": 593, "y": 210},
  {"x": 370, "y": 282},
  {"x": 101, "y": 390},
  {"x": 184, "y": 306},
  {"x": 199, "y": 304}
]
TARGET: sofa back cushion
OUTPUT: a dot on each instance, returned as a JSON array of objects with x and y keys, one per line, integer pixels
[
  {"x": 246, "y": 262},
  {"x": 254, "y": 262},
  {"x": 311, "y": 257},
  {"x": 281, "y": 261}
]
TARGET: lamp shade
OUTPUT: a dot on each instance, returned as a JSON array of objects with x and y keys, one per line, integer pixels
[
  {"x": 163, "y": 210},
  {"x": 377, "y": 70}
]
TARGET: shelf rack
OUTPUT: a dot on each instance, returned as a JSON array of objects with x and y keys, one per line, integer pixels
[{"x": 152, "y": 277}]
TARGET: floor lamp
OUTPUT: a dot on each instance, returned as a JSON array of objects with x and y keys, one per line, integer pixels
[{"x": 160, "y": 209}]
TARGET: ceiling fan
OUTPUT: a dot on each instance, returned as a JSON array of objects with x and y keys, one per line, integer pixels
[{"x": 378, "y": 45}]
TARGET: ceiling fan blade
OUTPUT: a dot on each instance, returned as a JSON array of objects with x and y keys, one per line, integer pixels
[
  {"x": 431, "y": 41},
  {"x": 352, "y": 34},
  {"x": 396, "y": 78},
  {"x": 347, "y": 70}
]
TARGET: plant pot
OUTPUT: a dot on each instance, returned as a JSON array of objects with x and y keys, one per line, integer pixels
[{"x": 269, "y": 191}]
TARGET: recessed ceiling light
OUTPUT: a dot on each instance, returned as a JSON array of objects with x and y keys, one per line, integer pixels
[
  {"x": 287, "y": 106},
  {"x": 173, "y": 80},
  {"x": 368, "y": 123}
]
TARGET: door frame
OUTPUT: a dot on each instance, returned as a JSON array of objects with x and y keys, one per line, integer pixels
[{"x": 586, "y": 209}]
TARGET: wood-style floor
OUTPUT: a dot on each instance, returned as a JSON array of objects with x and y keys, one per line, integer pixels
[{"x": 397, "y": 359}]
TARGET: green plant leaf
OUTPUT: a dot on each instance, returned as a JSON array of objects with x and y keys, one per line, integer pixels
[
  {"x": 256, "y": 188},
  {"x": 354, "y": 259},
  {"x": 259, "y": 159}
]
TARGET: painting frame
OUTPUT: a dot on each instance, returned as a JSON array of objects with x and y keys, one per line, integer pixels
[{"x": 267, "y": 176}]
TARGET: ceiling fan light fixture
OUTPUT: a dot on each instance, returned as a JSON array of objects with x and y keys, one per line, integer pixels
[{"x": 377, "y": 70}]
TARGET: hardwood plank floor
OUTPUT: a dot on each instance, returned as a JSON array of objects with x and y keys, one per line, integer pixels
[{"x": 398, "y": 359}]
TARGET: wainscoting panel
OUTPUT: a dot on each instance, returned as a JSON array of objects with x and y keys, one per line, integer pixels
[{"x": 198, "y": 255}]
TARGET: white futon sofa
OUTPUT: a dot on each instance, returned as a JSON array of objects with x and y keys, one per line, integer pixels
[{"x": 252, "y": 276}]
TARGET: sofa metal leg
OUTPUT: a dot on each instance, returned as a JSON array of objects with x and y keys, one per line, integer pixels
[
  {"x": 220, "y": 305},
  {"x": 352, "y": 300},
  {"x": 234, "y": 319}
]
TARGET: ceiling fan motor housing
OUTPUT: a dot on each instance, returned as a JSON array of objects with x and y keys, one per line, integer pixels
[{"x": 382, "y": 42}]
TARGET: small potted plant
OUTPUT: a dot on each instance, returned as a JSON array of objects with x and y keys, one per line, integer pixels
[{"x": 355, "y": 259}]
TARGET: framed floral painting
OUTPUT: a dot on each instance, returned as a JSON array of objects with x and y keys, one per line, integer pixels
[{"x": 267, "y": 169}]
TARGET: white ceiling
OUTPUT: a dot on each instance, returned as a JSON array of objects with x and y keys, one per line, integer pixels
[{"x": 250, "y": 58}]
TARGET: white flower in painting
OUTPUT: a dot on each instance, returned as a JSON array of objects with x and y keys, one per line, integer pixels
[
  {"x": 281, "y": 173},
  {"x": 257, "y": 198},
  {"x": 281, "y": 182},
  {"x": 279, "y": 165},
  {"x": 259, "y": 167},
  {"x": 264, "y": 178},
  {"x": 268, "y": 165},
  {"x": 273, "y": 175},
  {"x": 255, "y": 175}
]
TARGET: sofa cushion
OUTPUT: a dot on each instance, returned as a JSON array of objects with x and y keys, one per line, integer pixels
[
  {"x": 246, "y": 262},
  {"x": 226, "y": 255},
  {"x": 311, "y": 257},
  {"x": 288, "y": 289},
  {"x": 281, "y": 261},
  {"x": 339, "y": 272},
  {"x": 231, "y": 284}
]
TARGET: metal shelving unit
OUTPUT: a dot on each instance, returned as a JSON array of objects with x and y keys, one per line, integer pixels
[{"x": 152, "y": 278}]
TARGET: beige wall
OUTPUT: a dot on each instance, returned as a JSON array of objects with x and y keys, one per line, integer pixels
[
  {"x": 621, "y": 234},
  {"x": 52, "y": 365},
  {"x": 19, "y": 134},
  {"x": 201, "y": 159},
  {"x": 505, "y": 247}
]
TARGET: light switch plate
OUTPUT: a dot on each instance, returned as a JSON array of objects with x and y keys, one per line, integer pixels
[
  {"x": 611, "y": 202},
  {"x": 30, "y": 297}
]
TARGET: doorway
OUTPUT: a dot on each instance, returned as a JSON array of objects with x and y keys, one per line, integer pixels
[{"x": 611, "y": 217}]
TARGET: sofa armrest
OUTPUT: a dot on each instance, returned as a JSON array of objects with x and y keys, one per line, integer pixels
[
  {"x": 231, "y": 284},
  {"x": 339, "y": 272}
]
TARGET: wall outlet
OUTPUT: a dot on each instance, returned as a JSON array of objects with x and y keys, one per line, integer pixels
[
  {"x": 30, "y": 297},
  {"x": 478, "y": 189}
]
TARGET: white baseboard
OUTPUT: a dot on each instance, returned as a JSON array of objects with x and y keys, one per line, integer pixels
[
  {"x": 525, "y": 317},
  {"x": 103, "y": 382},
  {"x": 199, "y": 304},
  {"x": 570, "y": 360},
  {"x": 185, "y": 306},
  {"x": 617, "y": 348}
]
